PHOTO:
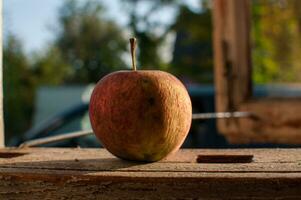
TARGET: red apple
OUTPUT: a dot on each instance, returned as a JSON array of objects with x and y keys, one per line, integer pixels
[{"x": 140, "y": 115}]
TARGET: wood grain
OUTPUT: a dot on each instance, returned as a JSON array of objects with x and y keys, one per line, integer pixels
[
  {"x": 232, "y": 58},
  {"x": 46, "y": 173}
]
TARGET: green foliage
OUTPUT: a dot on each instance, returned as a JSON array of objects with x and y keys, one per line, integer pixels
[
  {"x": 145, "y": 29},
  {"x": 86, "y": 48},
  {"x": 276, "y": 35},
  {"x": 91, "y": 45},
  {"x": 18, "y": 86},
  {"x": 50, "y": 68},
  {"x": 192, "y": 56}
]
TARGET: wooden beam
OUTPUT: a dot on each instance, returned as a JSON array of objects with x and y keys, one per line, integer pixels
[
  {"x": 48, "y": 173},
  {"x": 278, "y": 121},
  {"x": 232, "y": 57}
]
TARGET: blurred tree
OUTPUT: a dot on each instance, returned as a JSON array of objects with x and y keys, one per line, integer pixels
[
  {"x": 87, "y": 43},
  {"x": 18, "y": 88},
  {"x": 150, "y": 30},
  {"x": 192, "y": 56},
  {"x": 50, "y": 68},
  {"x": 87, "y": 47},
  {"x": 276, "y": 36}
]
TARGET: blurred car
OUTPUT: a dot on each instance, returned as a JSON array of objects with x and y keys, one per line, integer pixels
[{"x": 76, "y": 118}]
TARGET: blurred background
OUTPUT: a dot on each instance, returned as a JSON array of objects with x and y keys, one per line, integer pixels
[{"x": 56, "y": 50}]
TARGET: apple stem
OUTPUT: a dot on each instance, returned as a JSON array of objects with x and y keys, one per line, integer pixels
[{"x": 133, "y": 52}]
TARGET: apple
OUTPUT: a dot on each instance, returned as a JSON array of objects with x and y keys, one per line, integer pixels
[{"x": 140, "y": 115}]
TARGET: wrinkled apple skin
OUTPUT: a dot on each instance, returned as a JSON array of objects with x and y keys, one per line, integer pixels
[{"x": 140, "y": 115}]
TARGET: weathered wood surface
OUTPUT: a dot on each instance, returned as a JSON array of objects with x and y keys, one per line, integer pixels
[
  {"x": 232, "y": 58},
  {"x": 46, "y": 173}
]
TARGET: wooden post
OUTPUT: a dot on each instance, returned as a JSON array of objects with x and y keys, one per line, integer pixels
[
  {"x": 1, "y": 86},
  {"x": 232, "y": 58}
]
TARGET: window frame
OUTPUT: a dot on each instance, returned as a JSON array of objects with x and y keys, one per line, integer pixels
[{"x": 278, "y": 120}]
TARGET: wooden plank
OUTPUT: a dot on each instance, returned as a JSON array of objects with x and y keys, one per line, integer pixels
[
  {"x": 265, "y": 160},
  {"x": 132, "y": 185},
  {"x": 144, "y": 186},
  {"x": 183, "y": 161},
  {"x": 46, "y": 173},
  {"x": 117, "y": 165},
  {"x": 184, "y": 155}
]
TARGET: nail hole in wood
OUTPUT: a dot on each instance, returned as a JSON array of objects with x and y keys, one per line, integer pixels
[{"x": 224, "y": 158}]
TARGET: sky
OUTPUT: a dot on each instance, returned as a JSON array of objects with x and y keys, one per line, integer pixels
[
  {"x": 34, "y": 21},
  {"x": 30, "y": 20}
]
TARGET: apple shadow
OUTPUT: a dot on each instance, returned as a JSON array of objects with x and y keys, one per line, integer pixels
[{"x": 79, "y": 165}]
